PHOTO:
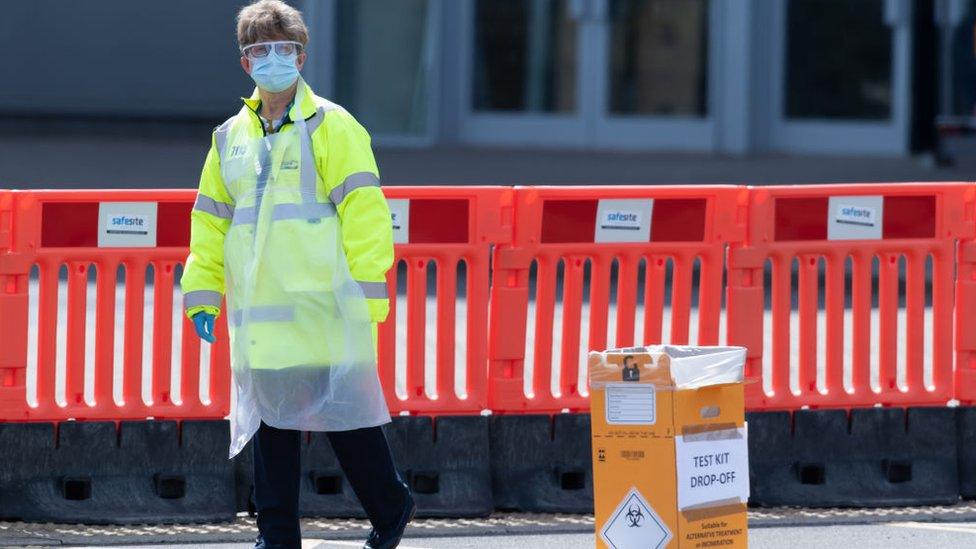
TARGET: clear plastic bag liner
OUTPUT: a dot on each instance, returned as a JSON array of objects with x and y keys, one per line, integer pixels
[
  {"x": 302, "y": 349},
  {"x": 668, "y": 367}
]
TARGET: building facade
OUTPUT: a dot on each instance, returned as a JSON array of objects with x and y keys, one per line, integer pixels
[{"x": 722, "y": 76}]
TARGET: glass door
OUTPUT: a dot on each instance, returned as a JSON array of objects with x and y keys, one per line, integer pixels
[
  {"x": 654, "y": 56},
  {"x": 522, "y": 78},
  {"x": 589, "y": 73},
  {"x": 390, "y": 84},
  {"x": 957, "y": 98},
  {"x": 841, "y": 76}
]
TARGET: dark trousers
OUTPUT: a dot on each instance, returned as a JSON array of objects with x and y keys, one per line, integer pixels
[{"x": 365, "y": 458}]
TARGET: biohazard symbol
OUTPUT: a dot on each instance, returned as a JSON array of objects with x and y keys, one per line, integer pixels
[{"x": 635, "y": 516}]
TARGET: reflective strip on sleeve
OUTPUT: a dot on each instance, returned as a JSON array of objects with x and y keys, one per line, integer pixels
[
  {"x": 351, "y": 183},
  {"x": 265, "y": 313},
  {"x": 248, "y": 215},
  {"x": 209, "y": 205},
  {"x": 197, "y": 298},
  {"x": 374, "y": 290}
]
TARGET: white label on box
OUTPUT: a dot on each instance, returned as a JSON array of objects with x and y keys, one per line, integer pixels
[
  {"x": 855, "y": 217},
  {"x": 631, "y": 404},
  {"x": 127, "y": 225},
  {"x": 623, "y": 220},
  {"x": 713, "y": 468},
  {"x": 635, "y": 525},
  {"x": 400, "y": 214}
]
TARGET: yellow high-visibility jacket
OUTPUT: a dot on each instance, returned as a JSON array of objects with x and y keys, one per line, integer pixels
[{"x": 347, "y": 176}]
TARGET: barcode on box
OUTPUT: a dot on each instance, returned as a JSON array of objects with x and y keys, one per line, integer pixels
[{"x": 632, "y": 454}]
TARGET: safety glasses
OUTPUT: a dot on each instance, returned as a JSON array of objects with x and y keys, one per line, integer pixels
[{"x": 262, "y": 49}]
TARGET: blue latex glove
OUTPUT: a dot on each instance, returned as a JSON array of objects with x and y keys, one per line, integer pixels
[{"x": 204, "y": 323}]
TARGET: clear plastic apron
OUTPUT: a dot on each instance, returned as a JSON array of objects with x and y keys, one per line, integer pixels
[{"x": 302, "y": 350}]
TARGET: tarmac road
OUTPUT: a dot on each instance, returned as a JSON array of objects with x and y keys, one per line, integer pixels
[
  {"x": 897, "y": 535},
  {"x": 769, "y": 528}
]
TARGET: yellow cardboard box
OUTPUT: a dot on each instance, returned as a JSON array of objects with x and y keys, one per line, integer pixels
[{"x": 670, "y": 461}]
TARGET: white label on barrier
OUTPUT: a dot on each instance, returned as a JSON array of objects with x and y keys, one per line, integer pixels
[
  {"x": 623, "y": 220},
  {"x": 631, "y": 404},
  {"x": 713, "y": 468},
  {"x": 127, "y": 224},
  {"x": 855, "y": 217},
  {"x": 635, "y": 525},
  {"x": 400, "y": 214}
]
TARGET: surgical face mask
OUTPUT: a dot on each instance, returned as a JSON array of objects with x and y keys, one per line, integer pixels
[{"x": 273, "y": 69}]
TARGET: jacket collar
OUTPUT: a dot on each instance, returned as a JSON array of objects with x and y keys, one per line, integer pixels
[{"x": 303, "y": 106}]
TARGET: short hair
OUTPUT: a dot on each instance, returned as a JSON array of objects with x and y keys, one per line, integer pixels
[
  {"x": 266, "y": 19},
  {"x": 628, "y": 357}
]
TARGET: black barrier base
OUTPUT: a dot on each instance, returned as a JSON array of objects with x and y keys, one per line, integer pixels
[
  {"x": 444, "y": 460},
  {"x": 874, "y": 457},
  {"x": 93, "y": 472},
  {"x": 151, "y": 472},
  {"x": 966, "y": 441},
  {"x": 325, "y": 492},
  {"x": 542, "y": 463}
]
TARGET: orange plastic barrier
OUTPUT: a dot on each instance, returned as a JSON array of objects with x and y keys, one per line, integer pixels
[
  {"x": 629, "y": 225},
  {"x": 60, "y": 261},
  {"x": 59, "y": 232},
  {"x": 965, "y": 378},
  {"x": 821, "y": 235},
  {"x": 446, "y": 226}
]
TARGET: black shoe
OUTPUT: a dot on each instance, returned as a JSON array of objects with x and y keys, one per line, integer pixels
[{"x": 389, "y": 539}]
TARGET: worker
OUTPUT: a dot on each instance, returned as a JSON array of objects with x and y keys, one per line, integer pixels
[{"x": 291, "y": 226}]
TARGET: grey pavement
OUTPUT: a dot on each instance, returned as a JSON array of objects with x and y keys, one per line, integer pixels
[
  {"x": 82, "y": 154},
  {"x": 894, "y": 527},
  {"x": 878, "y": 536},
  {"x": 908, "y": 535}
]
